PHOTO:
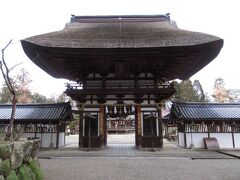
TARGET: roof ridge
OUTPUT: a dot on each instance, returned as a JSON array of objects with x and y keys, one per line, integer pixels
[
  {"x": 34, "y": 112},
  {"x": 35, "y": 104},
  {"x": 206, "y": 110},
  {"x": 204, "y": 103},
  {"x": 94, "y": 18}
]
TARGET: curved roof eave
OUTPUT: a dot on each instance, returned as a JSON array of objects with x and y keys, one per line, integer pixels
[{"x": 135, "y": 38}]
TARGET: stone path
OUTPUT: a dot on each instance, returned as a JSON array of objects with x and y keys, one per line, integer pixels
[
  {"x": 121, "y": 161},
  {"x": 128, "y": 150},
  {"x": 233, "y": 153}
]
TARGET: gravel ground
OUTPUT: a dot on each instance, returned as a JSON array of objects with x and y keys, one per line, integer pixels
[
  {"x": 136, "y": 168},
  {"x": 122, "y": 162}
]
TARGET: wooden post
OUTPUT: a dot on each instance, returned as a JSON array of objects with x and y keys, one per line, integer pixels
[
  {"x": 138, "y": 129},
  {"x": 105, "y": 127},
  {"x": 35, "y": 135},
  {"x": 57, "y": 139},
  {"x": 152, "y": 134},
  {"x": 160, "y": 122},
  {"x": 81, "y": 108},
  {"x": 102, "y": 130},
  {"x": 208, "y": 127},
  {"x": 232, "y": 131},
  {"x": 89, "y": 134},
  {"x": 185, "y": 137}
]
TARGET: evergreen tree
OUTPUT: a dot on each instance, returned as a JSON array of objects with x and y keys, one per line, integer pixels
[
  {"x": 5, "y": 95},
  {"x": 38, "y": 98},
  {"x": 186, "y": 91},
  {"x": 199, "y": 90}
]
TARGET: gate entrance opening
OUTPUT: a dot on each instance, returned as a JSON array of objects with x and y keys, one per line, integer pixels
[
  {"x": 98, "y": 122},
  {"x": 120, "y": 124},
  {"x": 121, "y": 130}
]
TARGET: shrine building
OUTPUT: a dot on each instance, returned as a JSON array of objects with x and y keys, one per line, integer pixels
[{"x": 122, "y": 65}]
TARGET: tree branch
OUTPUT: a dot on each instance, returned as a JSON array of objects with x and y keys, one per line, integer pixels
[
  {"x": 5, "y": 74},
  {"x": 7, "y": 45}
]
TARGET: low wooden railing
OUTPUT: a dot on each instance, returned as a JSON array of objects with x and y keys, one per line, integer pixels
[{"x": 117, "y": 86}]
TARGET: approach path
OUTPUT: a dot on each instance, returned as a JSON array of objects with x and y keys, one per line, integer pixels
[{"x": 122, "y": 161}]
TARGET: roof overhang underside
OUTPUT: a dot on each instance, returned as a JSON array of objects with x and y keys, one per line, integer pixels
[{"x": 170, "y": 62}]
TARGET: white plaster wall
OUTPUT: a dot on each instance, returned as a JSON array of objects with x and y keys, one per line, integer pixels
[
  {"x": 188, "y": 140},
  {"x": 197, "y": 140},
  {"x": 47, "y": 138},
  {"x": 224, "y": 139},
  {"x": 91, "y": 109},
  {"x": 39, "y": 135},
  {"x": 61, "y": 141},
  {"x": 87, "y": 102},
  {"x": 181, "y": 139},
  {"x": 149, "y": 108},
  {"x": 26, "y": 135},
  {"x": 145, "y": 102},
  {"x": 237, "y": 140}
]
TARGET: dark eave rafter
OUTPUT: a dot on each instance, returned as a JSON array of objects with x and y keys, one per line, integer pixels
[{"x": 170, "y": 63}]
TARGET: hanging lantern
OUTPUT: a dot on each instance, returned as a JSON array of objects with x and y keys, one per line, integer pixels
[
  {"x": 133, "y": 108},
  {"x": 125, "y": 109}
]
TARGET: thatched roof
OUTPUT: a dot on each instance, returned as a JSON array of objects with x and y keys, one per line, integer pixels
[
  {"x": 113, "y": 32},
  {"x": 93, "y": 43}
]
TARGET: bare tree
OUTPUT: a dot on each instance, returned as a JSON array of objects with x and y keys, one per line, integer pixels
[
  {"x": 220, "y": 93},
  {"x": 5, "y": 73}
]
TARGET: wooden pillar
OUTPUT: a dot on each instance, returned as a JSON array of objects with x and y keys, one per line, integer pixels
[
  {"x": 208, "y": 128},
  {"x": 160, "y": 123},
  {"x": 105, "y": 127},
  {"x": 102, "y": 129},
  {"x": 57, "y": 139},
  {"x": 81, "y": 109},
  {"x": 35, "y": 132},
  {"x": 138, "y": 126},
  {"x": 232, "y": 131},
  {"x": 185, "y": 137}
]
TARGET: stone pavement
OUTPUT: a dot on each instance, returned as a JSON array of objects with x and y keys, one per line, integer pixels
[
  {"x": 128, "y": 150},
  {"x": 233, "y": 153},
  {"x": 122, "y": 161}
]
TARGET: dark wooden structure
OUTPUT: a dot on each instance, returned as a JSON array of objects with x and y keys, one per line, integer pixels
[
  {"x": 44, "y": 121},
  {"x": 121, "y": 61},
  {"x": 210, "y": 121}
]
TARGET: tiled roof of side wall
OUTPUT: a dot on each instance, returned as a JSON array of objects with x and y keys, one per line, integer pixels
[
  {"x": 206, "y": 111},
  {"x": 58, "y": 111}
]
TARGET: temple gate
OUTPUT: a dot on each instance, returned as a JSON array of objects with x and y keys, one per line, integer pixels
[
  {"x": 120, "y": 63},
  {"x": 140, "y": 96}
]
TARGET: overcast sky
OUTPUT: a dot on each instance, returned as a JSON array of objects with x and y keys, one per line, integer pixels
[{"x": 25, "y": 18}]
